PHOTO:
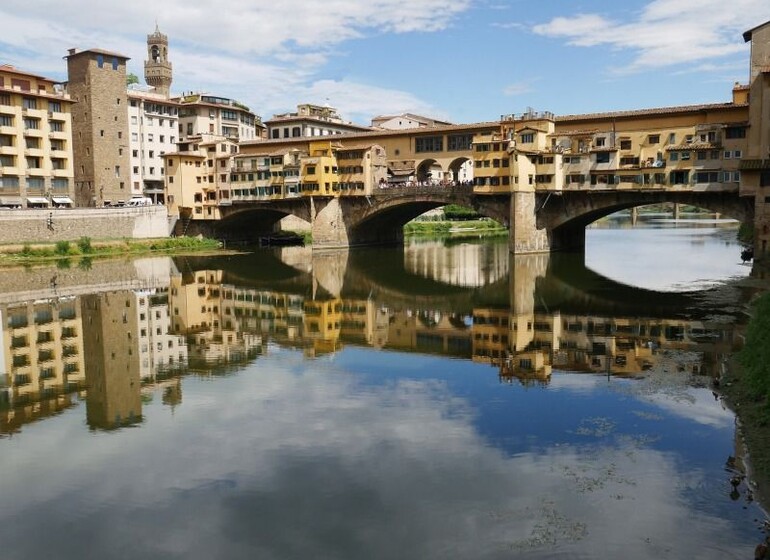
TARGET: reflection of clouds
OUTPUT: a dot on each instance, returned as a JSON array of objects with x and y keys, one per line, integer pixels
[
  {"x": 301, "y": 462},
  {"x": 682, "y": 266}
]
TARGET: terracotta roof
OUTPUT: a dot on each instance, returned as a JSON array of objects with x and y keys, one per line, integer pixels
[
  {"x": 576, "y": 132},
  {"x": 747, "y": 34},
  {"x": 653, "y": 111},
  {"x": 379, "y": 133},
  {"x": 13, "y": 70},
  {"x": 97, "y": 51}
]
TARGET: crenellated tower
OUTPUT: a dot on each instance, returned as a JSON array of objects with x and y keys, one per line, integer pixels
[{"x": 157, "y": 68}]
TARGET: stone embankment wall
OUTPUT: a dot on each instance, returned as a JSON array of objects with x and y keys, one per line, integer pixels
[{"x": 41, "y": 226}]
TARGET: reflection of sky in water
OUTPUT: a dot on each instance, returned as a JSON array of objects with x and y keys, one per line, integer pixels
[
  {"x": 666, "y": 259},
  {"x": 402, "y": 456}
]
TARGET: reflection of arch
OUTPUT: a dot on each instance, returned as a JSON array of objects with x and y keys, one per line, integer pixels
[
  {"x": 429, "y": 170},
  {"x": 461, "y": 169}
]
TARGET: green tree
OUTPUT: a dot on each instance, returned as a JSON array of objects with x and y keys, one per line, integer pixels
[{"x": 132, "y": 79}]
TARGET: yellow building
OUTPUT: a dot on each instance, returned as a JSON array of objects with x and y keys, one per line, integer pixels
[
  {"x": 197, "y": 177},
  {"x": 36, "y": 167}
]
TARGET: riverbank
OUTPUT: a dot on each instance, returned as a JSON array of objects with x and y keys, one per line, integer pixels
[
  {"x": 84, "y": 249},
  {"x": 745, "y": 386},
  {"x": 472, "y": 228}
]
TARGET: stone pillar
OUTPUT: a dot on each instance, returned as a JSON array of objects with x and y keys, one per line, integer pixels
[
  {"x": 328, "y": 225},
  {"x": 525, "y": 237}
]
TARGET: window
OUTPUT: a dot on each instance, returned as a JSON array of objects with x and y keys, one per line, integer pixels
[
  {"x": 100, "y": 60},
  {"x": 117, "y": 171},
  {"x": 625, "y": 144},
  {"x": 685, "y": 156},
  {"x": 115, "y": 66},
  {"x": 728, "y": 154},
  {"x": 57, "y": 126},
  {"x": 673, "y": 156},
  {"x": 29, "y": 103},
  {"x": 672, "y": 138},
  {"x": 733, "y": 132},
  {"x": 528, "y": 138},
  {"x": 737, "y": 154},
  {"x": 602, "y": 157},
  {"x": 31, "y": 124},
  {"x": 708, "y": 177},
  {"x": 459, "y": 141},
  {"x": 679, "y": 177},
  {"x": 6, "y": 120},
  {"x": 429, "y": 144},
  {"x": 600, "y": 142},
  {"x": 653, "y": 139}
]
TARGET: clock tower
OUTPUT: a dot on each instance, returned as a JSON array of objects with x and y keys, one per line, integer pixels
[{"x": 157, "y": 68}]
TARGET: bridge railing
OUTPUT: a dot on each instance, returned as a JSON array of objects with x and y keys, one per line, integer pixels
[{"x": 413, "y": 188}]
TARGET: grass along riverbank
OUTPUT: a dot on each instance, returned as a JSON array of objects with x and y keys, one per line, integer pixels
[
  {"x": 473, "y": 228},
  {"x": 30, "y": 253},
  {"x": 746, "y": 387}
]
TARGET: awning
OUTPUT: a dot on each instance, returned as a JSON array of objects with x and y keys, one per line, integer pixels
[
  {"x": 37, "y": 200},
  {"x": 402, "y": 168},
  {"x": 10, "y": 201},
  {"x": 62, "y": 200}
]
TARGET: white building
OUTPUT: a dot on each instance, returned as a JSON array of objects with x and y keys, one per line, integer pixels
[
  {"x": 309, "y": 121},
  {"x": 153, "y": 122},
  {"x": 203, "y": 114}
]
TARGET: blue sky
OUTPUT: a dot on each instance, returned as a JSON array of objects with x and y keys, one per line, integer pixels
[{"x": 460, "y": 60}]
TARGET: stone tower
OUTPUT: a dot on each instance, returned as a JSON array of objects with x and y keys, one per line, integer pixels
[
  {"x": 97, "y": 81},
  {"x": 157, "y": 68}
]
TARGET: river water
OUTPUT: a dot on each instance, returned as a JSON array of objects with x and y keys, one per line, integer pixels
[{"x": 441, "y": 400}]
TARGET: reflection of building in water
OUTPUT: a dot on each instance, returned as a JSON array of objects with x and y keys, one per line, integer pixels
[
  {"x": 110, "y": 340},
  {"x": 159, "y": 348},
  {"x": 530, "y": 344},
  {"x": 363, "y": 322},
  {"x": 41, "y": 362},
  {"x": 464, "y": 264},
  {"x": 323, "y": 323},
  {"x": 213, "y": 320},
  {"x": 430, "y": 332}
]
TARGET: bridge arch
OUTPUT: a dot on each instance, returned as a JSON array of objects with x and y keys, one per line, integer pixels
[
  {"x": 566, "y": 216},
  {"x": 248, "y": 222},
  {"x": 429, "y": 170},
  {"x": 461, "y": 170},
  {"x": 381, "y": 219}
]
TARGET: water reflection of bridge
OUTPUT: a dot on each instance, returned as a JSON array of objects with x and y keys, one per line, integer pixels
[{"x": 215, "y": 315}]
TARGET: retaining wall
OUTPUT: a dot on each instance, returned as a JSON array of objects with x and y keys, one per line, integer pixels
[{"x": 36, "y": 226}]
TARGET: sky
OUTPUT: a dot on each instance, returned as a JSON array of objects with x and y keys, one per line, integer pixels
[{"x": 457, "y": 60}]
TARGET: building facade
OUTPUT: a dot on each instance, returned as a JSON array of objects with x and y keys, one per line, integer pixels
[
  {"x": 97, "y": 82},
  {"x": 310, "y": 121},
  {"x": 201, "y": 113},
  {"x": 36, "y": 154},
  {"x": 153, "y": 122}
]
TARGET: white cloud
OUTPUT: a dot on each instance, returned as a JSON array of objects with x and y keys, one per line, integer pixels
[
  {"x": 667, "y": 32},
  {"x": 266, "y": 54},
  {"x": 296, "y": 457}
]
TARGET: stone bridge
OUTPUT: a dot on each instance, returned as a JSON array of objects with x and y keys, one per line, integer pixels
[{"x": 538, "y": 221}]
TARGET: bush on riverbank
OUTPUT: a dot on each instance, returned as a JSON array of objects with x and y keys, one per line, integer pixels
[
  {"x": 84, "y": 247},
  {"x": 755, "y": 356}
]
